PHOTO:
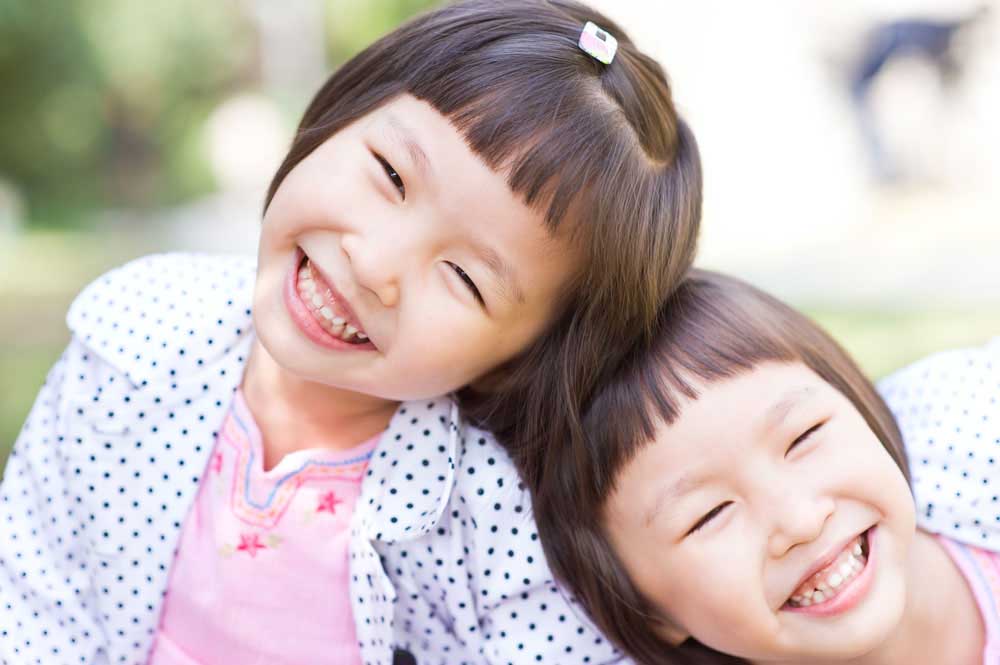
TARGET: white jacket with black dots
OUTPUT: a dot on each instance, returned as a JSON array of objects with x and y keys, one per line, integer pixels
[{"x": 445, "y": 561}]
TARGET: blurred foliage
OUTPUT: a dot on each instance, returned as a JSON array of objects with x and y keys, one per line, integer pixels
[
  {"x": 105, "y": 101},
  {"x": 352, "y": 25}
]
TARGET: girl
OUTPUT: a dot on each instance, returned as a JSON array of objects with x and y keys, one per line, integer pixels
[
  {"x": 752, "y": 503},
  {"x": 265, "y": 463}
]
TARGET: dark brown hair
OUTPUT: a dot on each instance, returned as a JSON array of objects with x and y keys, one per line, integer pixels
[
  {"x": 599, "y": 148},
  {"x": 713, "y": 328}
]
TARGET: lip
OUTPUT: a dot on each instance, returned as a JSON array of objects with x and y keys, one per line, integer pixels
[
  {"x": 303, "y": 317},
  {"x": 856, "y": 590}
]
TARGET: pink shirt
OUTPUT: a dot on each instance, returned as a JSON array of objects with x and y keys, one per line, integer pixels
[
  {"x": 981, "y": 569},
  {"x": 261, "y": 573}
]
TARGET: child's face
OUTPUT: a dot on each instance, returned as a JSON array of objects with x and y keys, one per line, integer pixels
[
  {"x": 759, "y": 493},
  {"x": 400, "y": 219}
]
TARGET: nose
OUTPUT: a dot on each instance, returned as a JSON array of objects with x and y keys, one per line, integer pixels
[
  {"x": 797, "y": 520},
  {"x": 376, "y": 264}
]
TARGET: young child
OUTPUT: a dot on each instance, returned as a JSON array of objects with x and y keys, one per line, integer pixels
[
  {"x": 744, "y": 498},
  {"x": 265, "y": 463}
]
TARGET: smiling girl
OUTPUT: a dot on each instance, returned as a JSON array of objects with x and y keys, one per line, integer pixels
[
  {"x": 237, "y": 462},
  {"x": 752, "y": 504}
]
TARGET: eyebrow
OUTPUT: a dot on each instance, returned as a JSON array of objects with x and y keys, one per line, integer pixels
[
  {"x": 502, "y": 270},
  {"x": 402, "y": 134},
  {"x": 776, "y": 413},
  {"x": 669, "y": 493}
]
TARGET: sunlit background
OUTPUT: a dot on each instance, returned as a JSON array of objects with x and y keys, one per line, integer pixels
[{"x": 132, "y": 127}]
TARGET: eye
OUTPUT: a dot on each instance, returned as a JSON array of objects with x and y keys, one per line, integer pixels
[
  {"x": 464, "y": 276},
  {"x": 709, "y": 516},
  {"x": 805, "y": 435},
  {"x": 397, "y": 182}
]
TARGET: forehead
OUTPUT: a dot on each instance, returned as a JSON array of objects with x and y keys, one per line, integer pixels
[{"x": 726, "y": 417}]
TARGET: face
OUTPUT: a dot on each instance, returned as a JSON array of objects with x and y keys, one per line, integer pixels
[
  {"x": 768, "y": 522},
  {"x": 393, "y": 262}
]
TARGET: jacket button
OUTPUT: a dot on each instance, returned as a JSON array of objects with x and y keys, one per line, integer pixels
[{"x": 403, "y": 657}]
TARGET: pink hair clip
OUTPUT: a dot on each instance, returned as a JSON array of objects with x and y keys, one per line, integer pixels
[{"x": 598, "y": 43}]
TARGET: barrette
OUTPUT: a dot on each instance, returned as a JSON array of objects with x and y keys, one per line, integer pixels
[{"x": 598, "y": 43}]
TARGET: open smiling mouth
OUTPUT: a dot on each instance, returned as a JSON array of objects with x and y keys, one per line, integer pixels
[
  {"x": 827, "y": 585},
  {"x": 319, "y": 299}
]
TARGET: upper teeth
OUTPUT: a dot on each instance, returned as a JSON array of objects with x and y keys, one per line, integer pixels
[
  {"x": 824, "y": 585},
  {"x": 322, "y": 307}
]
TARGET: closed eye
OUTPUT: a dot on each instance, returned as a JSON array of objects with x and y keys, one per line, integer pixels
[
  {"x": 805, "y": 435},
  {"x": 464, "y": 276},
  {"x": 709, "y": 516},
  {"x": 393, "y": 176}
]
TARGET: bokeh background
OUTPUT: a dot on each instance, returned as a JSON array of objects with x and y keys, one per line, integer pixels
[{"x": 870, "y": 202}]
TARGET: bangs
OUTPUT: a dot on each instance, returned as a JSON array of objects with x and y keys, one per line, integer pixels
[
  {"x": 537, "y": 108},
  {"x": 552, "y": 138},
  {"x": 726, "y": 338}
]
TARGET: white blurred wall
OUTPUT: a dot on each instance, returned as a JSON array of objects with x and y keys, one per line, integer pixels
[{"x": 789, "y": 202}]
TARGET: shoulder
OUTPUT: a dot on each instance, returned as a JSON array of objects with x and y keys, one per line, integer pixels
[
  {"x": 482, "y": 556},
  {"x": 165, "y": 313},
  {"x": 947, "y": 385},
  {"x": 946, "y": 406}
]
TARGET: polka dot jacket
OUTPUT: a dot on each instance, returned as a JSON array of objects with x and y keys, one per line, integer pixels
[
  {"x": 948, "y": 409},
  {"x": 445, "y": 564}
]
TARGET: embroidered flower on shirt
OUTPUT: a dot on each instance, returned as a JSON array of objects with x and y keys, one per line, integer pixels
[
  {"x": 217, "y": 462},
  {"x": 328, "y": 502},
  {"x": 250, "y": 543}
]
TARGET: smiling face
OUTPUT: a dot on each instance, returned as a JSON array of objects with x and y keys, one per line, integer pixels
[
  {"x": 393, "y": 262},
  {"x": 768, "y": 521}
]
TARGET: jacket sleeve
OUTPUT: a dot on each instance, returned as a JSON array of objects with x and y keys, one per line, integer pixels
[
  {"x": 46, "y": 608},
  {"x": 947, "y": 407}
]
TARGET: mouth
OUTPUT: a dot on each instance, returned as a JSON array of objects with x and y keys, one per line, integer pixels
[
  {"x": 837, "y": 583},
  {"x": 320, "y": 311}
]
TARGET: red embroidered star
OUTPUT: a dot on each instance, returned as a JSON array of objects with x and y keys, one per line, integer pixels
[
  {"x": 250, "y": 543},
  {"x": 217, "y": 462},
  {"x": 328, "y": 502}
]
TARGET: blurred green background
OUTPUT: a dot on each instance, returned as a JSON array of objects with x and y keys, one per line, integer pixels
[
  {"x": 132, "y": 127},
  {"x": 107, "y": 148}
]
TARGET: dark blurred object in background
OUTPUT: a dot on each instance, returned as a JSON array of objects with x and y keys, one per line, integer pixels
[{"x": 932, "y": 40}]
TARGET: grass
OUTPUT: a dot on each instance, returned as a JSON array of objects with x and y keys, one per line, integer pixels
[{"x": 885, "y": 340}]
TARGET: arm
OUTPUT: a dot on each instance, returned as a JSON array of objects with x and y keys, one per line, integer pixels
[{"x": 45, "y": 586}]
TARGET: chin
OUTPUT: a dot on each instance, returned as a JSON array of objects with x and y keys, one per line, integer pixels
[{"x": 867, "y": 631}]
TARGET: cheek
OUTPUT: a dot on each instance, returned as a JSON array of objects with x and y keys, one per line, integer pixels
[
  {"x": 710, "y": 599},
  {"x": 441, "y": 345},
  {"x": 321, "y": 187}
]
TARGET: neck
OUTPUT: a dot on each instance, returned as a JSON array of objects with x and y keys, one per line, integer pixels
[{"x": 294, "y": 414}]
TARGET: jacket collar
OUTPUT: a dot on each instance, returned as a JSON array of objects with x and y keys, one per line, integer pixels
[
  {"x": 163, "y": 305},
  {"x": 412, "y": 472}
]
